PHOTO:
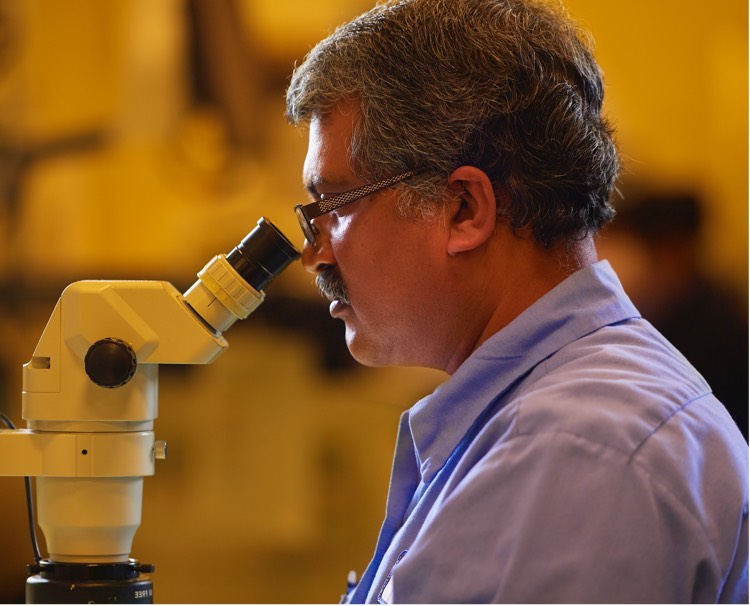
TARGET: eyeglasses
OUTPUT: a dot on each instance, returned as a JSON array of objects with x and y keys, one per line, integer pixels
[{"x": 307, "y": 212}]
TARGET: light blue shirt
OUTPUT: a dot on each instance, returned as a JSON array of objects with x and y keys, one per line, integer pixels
[{"x": 576, "y": 456}]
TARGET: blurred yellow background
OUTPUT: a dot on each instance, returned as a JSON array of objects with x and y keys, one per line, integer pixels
[{"x": 140, "y": 138}]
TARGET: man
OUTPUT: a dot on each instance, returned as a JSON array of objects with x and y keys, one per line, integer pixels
[{"x": 573, "y": 455}]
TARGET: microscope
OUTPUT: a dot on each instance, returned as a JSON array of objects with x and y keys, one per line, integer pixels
[{"x": 90, "y": 400}]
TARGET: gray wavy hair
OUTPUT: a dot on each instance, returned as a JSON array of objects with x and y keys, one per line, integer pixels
[{"x": 508, "y": 86}]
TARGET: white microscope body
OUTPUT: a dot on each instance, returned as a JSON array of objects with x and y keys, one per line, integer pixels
[{"x": 90, "y": 401}]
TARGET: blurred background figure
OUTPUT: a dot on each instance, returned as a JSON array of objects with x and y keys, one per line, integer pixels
[{"x": 656, "y": 244}]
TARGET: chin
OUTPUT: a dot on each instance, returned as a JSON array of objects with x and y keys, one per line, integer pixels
[
  {"x": 366, "y": 358},
  {"x": 378, "y": 354},
  {"x": 365, "y": 351}
]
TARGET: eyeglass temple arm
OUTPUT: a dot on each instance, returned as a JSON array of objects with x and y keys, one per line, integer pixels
[{"x": 323, "y": 206}]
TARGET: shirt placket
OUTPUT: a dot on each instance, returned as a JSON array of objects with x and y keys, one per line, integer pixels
[{"x": 405, "y": 479}]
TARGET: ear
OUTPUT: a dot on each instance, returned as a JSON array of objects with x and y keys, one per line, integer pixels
[{"x": 472, "y": 212}]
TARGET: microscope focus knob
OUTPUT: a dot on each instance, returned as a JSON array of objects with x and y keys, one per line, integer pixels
[{"x": 110, "y": 363}]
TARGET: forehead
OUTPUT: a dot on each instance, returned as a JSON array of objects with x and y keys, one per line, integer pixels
[{"x": 329, "y": 144}]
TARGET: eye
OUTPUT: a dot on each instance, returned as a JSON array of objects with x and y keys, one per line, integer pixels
[{"x": 314, "y": 196}]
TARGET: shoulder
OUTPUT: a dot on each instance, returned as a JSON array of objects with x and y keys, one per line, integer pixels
[
  {"x": 623, "y": 407},
  {"x": 620, "y": 385},
  {"x": 626, "y": 389}
]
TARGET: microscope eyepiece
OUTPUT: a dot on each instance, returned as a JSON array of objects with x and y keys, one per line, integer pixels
[
  {"x": 231, "y": 286},
  {"x": 262, "y": 255}
]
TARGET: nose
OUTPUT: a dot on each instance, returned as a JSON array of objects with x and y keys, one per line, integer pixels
[{"x": 318, "y": 256}]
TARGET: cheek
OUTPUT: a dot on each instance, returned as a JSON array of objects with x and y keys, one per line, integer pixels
[
  {"x": 356, "y": 246},
  {"x": 396, "y": 281},
  {"x": 387, "y": 257}
]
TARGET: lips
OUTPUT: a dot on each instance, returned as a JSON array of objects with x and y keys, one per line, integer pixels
[{"x": 337, "y": 307}]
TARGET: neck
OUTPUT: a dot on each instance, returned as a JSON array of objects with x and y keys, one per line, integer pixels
[{"x": 518, "y": 276}]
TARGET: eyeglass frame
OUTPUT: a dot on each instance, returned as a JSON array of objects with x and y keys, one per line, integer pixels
[{"x": 307, "y": 212}]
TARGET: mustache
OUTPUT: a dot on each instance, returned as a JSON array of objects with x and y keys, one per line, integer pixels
[{"x": 331, "y": 286}]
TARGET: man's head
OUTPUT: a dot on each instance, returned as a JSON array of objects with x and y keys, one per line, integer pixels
[
  {"x": 507, "y": 86},
  {"x": 495, "y": 106}
]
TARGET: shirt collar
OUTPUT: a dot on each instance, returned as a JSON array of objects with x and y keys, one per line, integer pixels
[{"x": 583, "y": 303}]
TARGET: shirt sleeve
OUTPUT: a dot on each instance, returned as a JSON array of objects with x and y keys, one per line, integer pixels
[{"x": 554, "y": 517}]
